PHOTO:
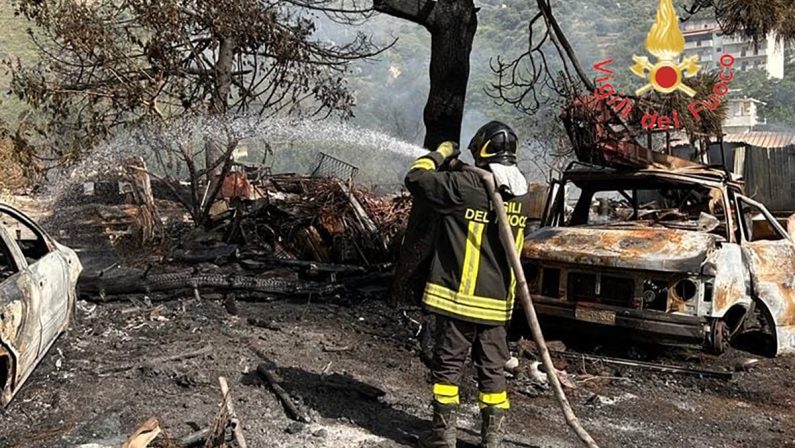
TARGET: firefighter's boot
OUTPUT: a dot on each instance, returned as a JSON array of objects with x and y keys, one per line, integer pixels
[
  {"x": 443, "y": 432},
  {"x": 492, "y": 419}
]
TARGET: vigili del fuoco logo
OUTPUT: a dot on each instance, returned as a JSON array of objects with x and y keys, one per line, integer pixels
[{"x": 667, "y": 74}]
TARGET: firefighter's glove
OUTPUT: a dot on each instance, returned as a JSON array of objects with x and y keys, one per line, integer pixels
[{"x": 449, "y": 150}]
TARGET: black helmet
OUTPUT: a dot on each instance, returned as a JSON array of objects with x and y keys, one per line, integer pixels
[{"x": 495, "y": 142}]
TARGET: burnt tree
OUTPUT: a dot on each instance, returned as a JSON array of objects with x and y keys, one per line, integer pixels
[{"x": 452, "y": 25}]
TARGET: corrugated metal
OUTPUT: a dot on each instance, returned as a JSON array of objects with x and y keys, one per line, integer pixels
[
  {"x": 766, "y": 140},
  {"x": 770, "y": 177}
]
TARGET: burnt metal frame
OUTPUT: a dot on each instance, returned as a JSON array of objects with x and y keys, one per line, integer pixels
[
  {"x": 717, "y": 181},
  {"x": 765, "y": 212},
  {"x": 337, "y": 166}
]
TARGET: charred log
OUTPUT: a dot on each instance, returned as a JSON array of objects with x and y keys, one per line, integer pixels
[{"x": 98, "y": 287}]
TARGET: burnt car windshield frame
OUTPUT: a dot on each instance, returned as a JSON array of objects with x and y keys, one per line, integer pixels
[{"x": 633, "y": 182}]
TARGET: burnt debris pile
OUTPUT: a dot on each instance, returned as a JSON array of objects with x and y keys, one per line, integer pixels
[{"x": 265, "y": 235}]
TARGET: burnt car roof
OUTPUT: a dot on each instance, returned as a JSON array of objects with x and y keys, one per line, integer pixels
[{"x": 700, "y": 174}]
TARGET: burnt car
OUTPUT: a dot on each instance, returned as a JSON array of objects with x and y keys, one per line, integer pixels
[
  {"x": 677, "y": 256},
  {"x": 38, "y": 279}
]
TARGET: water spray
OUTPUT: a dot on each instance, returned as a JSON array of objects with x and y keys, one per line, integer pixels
[{"x": 192, "y": 133}]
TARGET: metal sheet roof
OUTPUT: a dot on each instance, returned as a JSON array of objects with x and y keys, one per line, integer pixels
[{"x": 766, "y": 140}]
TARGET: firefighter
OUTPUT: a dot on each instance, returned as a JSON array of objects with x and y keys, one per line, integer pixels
[{"x": 470, "y": 286}]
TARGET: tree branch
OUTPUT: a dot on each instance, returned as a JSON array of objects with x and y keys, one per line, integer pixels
[
  {"x": 546, "y": 9},
  {"x": 417, "y": 11}
]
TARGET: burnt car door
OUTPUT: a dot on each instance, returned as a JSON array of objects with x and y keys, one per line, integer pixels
[
  {"x": 770, "y": 253},
  {"x": 48, "y": 271},
  {"x": 20, "y": 328}
]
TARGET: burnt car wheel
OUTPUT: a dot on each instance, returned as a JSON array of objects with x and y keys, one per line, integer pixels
[{"x": 719, "y": 337}]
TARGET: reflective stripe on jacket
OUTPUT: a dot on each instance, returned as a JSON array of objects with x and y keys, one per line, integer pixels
[{"x": 470, "y": 278}]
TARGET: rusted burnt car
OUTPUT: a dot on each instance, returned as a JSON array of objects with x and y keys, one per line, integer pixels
[
  {"x": 38, "y": 279},
  {"x": 678, "y": 256}
]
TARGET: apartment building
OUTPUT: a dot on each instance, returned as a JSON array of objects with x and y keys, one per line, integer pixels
[
  {"x": 743, "y": 115},
  {"x": 705, "y": 38}
]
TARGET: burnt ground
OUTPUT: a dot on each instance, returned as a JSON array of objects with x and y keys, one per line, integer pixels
[
  {"x": 75, "y": 396},
  {"x": 97, "y": 383}
]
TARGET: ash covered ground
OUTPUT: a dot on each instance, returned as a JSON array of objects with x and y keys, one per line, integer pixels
[{"x": 77, "y": 396}]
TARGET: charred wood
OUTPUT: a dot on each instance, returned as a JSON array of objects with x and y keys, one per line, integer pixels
[
  {"x": 99, "y": 288},
  {"x": 262, "y": 323},
  {"x": 153, "y": 362},
  {"x": 195, "y": 438},
  {"x": 234, "y": 422},
  {"x": 723, "y": 375},
  {"x": 324, "y": 267},
  {"x": 218, "y": 253},
  {"x": 284, "y": 397}
]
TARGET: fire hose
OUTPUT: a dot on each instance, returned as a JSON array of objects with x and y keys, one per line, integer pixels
[{"x": 507, "y": 240}]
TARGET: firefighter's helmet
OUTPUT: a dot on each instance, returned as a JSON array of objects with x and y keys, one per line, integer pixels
[{"x": 495, "y": 142}]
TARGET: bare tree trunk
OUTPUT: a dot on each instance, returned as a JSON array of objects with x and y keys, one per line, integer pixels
[
  {"x": 558, "y": 35},
  {"x": 216, "y": 156},
  {"x": 452, "y": 26}
]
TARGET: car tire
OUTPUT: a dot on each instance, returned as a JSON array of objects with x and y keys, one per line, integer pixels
[{"x": 719, "y": 337}]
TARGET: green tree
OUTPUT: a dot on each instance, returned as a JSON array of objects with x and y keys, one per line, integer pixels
[{"x": 778, "y": 94}]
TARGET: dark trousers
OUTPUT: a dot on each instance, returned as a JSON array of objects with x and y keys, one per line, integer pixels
[{"x": 455, "y": 338}]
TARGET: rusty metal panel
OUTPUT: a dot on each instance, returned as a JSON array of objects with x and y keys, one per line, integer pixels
[
  {"x": 538, "y": 201},
  {"x": 236, "y": 185},
  {"x": 774, "y": 284},
  {"x": 732, "y": 280},
  {"x": 772, "y": 266}
]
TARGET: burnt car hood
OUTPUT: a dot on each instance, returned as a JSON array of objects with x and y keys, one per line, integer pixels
[{"x": 648, "y": 249}]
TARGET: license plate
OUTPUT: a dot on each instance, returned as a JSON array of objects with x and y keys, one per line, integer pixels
[{"x": 595, "y": 316}]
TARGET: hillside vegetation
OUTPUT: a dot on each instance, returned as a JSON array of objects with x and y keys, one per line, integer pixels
[{"x": 14, "y": 43}]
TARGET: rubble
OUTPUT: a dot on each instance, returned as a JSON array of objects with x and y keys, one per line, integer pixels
[
  {"x": 284, "y": 236},
  {"x": 703, "y": 373},
  {"x": 287, "y": 217},
  {"x": 118, "y": 204},
  {"x": 154, "y": 362}
]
